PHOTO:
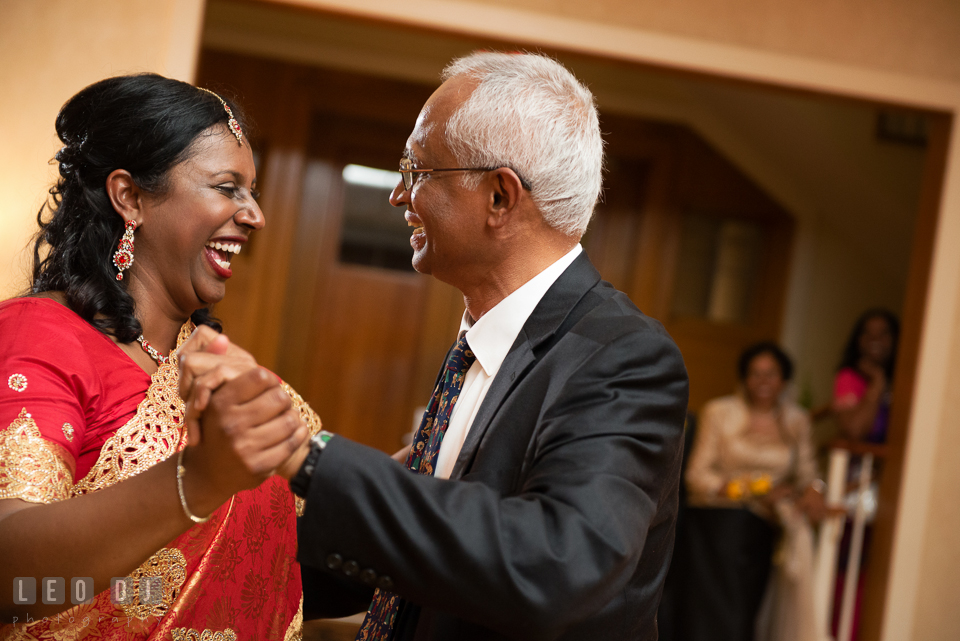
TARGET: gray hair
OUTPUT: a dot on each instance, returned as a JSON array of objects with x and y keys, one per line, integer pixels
[{"x": 529, "y": 113}]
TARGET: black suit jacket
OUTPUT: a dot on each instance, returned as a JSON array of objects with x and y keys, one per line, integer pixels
[{"x": 558, "y": 520}]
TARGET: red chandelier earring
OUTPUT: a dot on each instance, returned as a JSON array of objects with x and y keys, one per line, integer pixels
[{"x": 123, "y": 257}]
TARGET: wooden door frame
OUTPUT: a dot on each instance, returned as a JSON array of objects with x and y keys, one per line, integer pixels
[{"x": 933, "y": 294}]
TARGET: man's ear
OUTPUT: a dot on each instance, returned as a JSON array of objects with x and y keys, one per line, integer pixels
[
  {"x": 125, "y": 196},
  {"x": 505, "y": 195}
]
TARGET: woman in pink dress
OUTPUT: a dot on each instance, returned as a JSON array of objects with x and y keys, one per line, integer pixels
[
  {"x": 861, "y": 389},
  {"x": 861, "y": 404}
]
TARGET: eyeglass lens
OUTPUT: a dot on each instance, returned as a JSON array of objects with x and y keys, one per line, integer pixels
[{"x": 405, "y": 166}]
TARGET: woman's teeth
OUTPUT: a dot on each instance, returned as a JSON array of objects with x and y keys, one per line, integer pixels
[
  {"x": 233, "y": 248},
  {"x": 227, "y": 248}
]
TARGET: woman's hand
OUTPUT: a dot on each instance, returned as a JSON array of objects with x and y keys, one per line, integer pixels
[
  {"x": 812, "y": 503},
  {"x": 250, "y": 429},
  {"x": 400, "y": 456},
  {"x": 777, "y": 493},
  {"x": 876, "y": 376}
]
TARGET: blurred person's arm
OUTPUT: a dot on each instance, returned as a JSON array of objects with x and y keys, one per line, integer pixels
[
  {"x": 856, "y": 410},
  {"x": 701, "y": 477},
  {"x": 809, "y": 496}
]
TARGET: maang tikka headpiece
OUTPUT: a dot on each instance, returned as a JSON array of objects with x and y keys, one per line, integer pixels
[{"x": 232, "y": 123}]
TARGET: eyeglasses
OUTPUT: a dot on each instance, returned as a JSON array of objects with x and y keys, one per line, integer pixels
[{"x": 410, "y": 174}]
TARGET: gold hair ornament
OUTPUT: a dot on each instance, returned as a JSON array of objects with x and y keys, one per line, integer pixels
[{"x": 232, "y": 122}]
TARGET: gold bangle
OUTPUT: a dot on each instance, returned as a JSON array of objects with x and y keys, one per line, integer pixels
[{"x": 183, "y": 499}]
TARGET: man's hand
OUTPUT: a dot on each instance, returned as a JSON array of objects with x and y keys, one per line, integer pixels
[
  {"x": 207, "y": 360},
  {"x": 250, "y": 428}
]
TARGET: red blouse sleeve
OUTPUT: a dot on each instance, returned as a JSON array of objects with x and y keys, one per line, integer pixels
[{"x": 48, "y": 387}]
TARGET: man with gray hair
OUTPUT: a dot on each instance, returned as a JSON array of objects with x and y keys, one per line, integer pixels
[{"x": 539, "y": 498}]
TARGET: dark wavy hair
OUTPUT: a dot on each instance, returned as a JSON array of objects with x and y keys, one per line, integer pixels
[
  {"x": 145, "y": 124},
  {"x": 765, "y": 347},
  {"x": 851, "y": 353}
]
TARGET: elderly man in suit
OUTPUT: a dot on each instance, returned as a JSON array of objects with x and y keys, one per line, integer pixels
[
  {"x": 540, "y": 495},
  {"x": 544, "y": 492}
]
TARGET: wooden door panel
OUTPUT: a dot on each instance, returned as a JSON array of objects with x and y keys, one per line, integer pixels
[
  {"x": 365, "y": 338},
  {"x": 612, "y": 238},
  {"x": 314, "y": 243}
]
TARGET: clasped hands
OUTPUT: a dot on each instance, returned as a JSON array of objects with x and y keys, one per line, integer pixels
[{"x": 241, "y": 424}]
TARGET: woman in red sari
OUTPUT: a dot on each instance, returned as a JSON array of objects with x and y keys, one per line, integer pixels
[{"x": 156, "y": 193}]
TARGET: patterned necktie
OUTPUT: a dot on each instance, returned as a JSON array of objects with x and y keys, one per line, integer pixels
[{"x": 379, "y": 621}]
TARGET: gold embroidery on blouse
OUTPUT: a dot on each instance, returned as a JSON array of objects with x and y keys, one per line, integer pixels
[
  {"x": 17, "y": 382},
  {"x": 32, "y": 468},
  {"x": 170, "y": 565},
  {"x": 68, "y": 431},
  {"x": 295, "y": 629},
  {"x": 189, "y": 634},
  {"x": 310, "y": 418},
  {"x": 151, "y": 436}
]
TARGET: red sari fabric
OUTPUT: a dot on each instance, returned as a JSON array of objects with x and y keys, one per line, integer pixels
[{"x": 77, "y": 415}]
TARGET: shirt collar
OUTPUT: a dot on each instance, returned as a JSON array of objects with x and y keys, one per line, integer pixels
[{"x": 491, "y": 337}]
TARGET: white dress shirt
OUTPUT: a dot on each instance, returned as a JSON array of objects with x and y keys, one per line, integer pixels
[{"x": 490, "y": 338}]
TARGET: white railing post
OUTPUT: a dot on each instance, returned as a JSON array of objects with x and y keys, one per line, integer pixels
[
  {"x": 828, "y": 544},
  {"x": 852, "y": 578}
]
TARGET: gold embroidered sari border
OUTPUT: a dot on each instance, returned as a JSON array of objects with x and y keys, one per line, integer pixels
[
  {"x": 153, "y": 435},
  {"x": 311, "y": 420},
  {"x": 191, "y": 634},
  {"x": 32, "y": 468}
]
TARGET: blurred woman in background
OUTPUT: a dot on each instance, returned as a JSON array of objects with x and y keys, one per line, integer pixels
[
  {"x": 861, "y": 390},
  {"x": 752, "y": 471},
  {"x": 861, "y": 405}
]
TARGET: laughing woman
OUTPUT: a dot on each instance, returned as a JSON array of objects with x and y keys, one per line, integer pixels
[{"x": 156, "y": 193}]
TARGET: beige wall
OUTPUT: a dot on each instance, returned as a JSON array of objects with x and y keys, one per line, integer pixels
[
  {"x": 938, "y": 558},
  {"x": 50, "y": 50},
  {"x": 903, "y": 36}
]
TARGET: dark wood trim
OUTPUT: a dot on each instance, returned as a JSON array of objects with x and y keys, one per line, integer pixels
[{"x": 914, "y": 311}]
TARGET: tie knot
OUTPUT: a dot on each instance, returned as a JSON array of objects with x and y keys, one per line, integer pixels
[{"x": 462, "y": 357}]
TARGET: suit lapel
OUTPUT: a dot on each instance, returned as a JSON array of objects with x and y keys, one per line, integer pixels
[{"x": 548, "y": 316}]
